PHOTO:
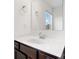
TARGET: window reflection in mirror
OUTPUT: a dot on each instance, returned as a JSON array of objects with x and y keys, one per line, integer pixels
[{"x": 48, "y": 19}]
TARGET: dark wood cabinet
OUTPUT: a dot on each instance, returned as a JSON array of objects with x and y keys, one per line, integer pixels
[
  {"x": 17, "y": 52},
  {"x": 16, "y": 45},
  {"x": 23, "y": 51},
  {"x": 45, "y": 56},
  {"x": 19, "y": 55},
  {"x": 30, "y": 52}
]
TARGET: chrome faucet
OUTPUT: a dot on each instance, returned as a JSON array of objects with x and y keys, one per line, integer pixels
[{"x": 41, "y": 35}]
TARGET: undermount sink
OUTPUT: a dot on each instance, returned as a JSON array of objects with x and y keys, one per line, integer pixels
[{"x": 36, "y": 41}]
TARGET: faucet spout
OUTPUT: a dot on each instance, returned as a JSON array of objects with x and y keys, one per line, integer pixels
[{"x": 41, "y": 35}]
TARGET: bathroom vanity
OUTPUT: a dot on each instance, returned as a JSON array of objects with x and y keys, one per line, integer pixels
[
  {"x": 39, "y": 29},
  {"x": 23, "y": 51},
  {"x": 31, "y": 47}
]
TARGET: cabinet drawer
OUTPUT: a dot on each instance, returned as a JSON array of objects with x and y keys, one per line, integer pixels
[
  {"x": 16, "y": 45},
  {"x": 44, "y": 56},
  {"x": 28, "y": 51}
]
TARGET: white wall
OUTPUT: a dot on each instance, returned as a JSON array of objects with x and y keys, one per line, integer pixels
[
  {"x": 22, "y": 18},
  {"x": 58, "y": 18}
]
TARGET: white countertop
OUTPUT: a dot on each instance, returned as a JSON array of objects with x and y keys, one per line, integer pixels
[{"x": 53, "y": 44}]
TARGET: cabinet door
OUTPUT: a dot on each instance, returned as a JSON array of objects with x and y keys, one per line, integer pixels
[
  {"x": 44, "y": 56},
  {"x": 31, "y": 53},
  {"x": 19, "y": 55},
  {"x": 15, "y": 53},
  {"x": 16, "y": 45}
]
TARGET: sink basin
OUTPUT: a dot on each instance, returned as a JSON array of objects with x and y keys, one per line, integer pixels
[{"x": 36, "y": 41}]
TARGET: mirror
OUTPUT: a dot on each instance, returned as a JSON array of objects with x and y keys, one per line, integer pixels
[{"x": 47, "y": 15}]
